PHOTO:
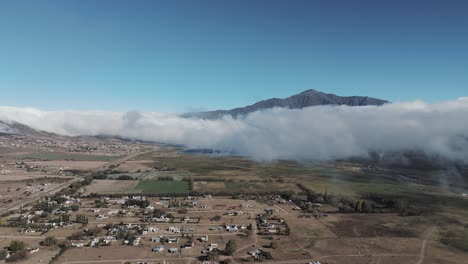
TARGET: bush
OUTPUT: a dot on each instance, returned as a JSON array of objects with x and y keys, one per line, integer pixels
[
  {"x": 18, "y": 255},
  {"x": 17, "y": 245},
  {"x": 124, "y": 178},
  {"x": 75, "y": 207},
  {"x": 49, "y": 241},
  {"x": 3, "y": 254},
  {"x": 182, "y": 211}
]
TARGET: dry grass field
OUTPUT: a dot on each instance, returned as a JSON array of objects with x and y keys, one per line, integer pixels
[{"x": 112, "y": 186}]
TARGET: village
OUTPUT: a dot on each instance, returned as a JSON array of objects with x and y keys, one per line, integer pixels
[
  {"x": 204, "y": 228},
  {"x": 75, "y": 200}
]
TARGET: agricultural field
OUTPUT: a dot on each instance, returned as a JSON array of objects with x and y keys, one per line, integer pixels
[
  {"x": 66, "y": 156},
  {"x": 137, "y": 186},
  {"x": 112, "y": 187},
  {"x": 161, "y": 187}
]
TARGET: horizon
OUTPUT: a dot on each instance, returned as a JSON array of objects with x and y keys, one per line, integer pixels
[{"x": 181, "y": 57}]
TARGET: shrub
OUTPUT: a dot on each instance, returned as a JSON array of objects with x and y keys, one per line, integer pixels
[
  {"x": 17, "y": 245},
  {"x": 3, "y": 254},
  {"x": 49, "y": 241},
  {"x": 18, "y": 255}
]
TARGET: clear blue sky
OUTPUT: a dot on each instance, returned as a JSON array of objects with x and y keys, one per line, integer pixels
[{"x": 173, "y": 56}]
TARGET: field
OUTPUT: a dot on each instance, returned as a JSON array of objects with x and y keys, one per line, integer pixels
[
  {"x": 65, "y": 156},
  {"x": 111, "y": 187},
  {"x": 161, "y": 187},
  {"x": 137, "y": 186},
  {"x": 434, "y": 234}
]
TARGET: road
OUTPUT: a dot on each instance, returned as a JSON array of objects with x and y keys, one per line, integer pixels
[
  {"x": 123, "y": 159},
  {"x": 17, "y": 204}
]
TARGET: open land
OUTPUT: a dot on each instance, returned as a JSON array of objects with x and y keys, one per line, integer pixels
[{"x": 106, "y": 200}]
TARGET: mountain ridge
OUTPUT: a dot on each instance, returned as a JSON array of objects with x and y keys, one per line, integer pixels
[{"x": 304, "y": 99}]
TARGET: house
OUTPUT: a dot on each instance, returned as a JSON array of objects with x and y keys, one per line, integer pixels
[
  {"x": 172, "y": 240},
  {"x": 186, "y": 219},
  {"x": 188, "y": 245},
  {"x": 155, "y": 239},
  {"x": 204, "y": 238},
  {"x": 161, "y": 219},
  {"x": 232, "y": 228},
  {"x": 212, "y": 246},
  {"x": 94, "y": 242},
  {"x": 173, "y": 229},
  {"x": 314, "y": 262},
  {"x": 136, "y": 242},
  {"x": 158, "y": 249},
  {"x": 256, "y": 253},
  {"x": 77, "y": 244},
  {"x": 102, "y": 216},
  {"x": 152, "y": 229},
  {"x": 173, "y": 250},
  {"x": 113, "y": 212}
]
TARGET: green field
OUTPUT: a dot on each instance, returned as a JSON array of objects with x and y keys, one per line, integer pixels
[
  {"x": 67, "y": 156},
  {"x": 161, "y": 187}
]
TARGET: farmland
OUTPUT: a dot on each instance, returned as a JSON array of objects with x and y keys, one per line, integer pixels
[
  {"x": 65, "y": 156},
  {"x": 161, "y": 187},
  {"x": 306, "y": 211}
]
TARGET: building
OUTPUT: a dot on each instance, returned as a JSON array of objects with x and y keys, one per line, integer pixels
[
  {"x": 173, "y": 250},
  {"x": 158, "y": 249}
]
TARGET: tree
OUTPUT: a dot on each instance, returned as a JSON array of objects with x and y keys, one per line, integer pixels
[
  {"x": 74, "y": 207},
  {"x": 358, "y": 206},
  {"x": 49, "y": 241},
  {"x": 366, "y": 207},
  {"x": 231, "y": 247},
  {"x": 17, "y": 245},
  {"x": 267, "y": 255}
]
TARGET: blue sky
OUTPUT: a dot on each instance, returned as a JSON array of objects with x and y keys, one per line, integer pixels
[{"x": 175, "y": 56}]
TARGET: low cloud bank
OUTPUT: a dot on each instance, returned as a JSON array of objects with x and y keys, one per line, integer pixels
[{"x": 316, "y": 133}]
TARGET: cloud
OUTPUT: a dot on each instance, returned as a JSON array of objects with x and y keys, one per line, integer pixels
[{"x": 316, "y": 133}]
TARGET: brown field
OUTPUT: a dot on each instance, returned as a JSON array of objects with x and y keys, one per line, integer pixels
[
  {"x": 67, "y": 164},
  {"x": 111, "y": 186},
  {"x": 135, "y": 166}
]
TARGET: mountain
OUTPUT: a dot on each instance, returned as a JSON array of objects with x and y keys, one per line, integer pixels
[
  {"x": 20, "y": 129},
  {"x": 298, "y": 101}
]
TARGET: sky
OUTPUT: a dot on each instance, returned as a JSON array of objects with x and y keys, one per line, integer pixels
[{"x": 179, "y": 56}]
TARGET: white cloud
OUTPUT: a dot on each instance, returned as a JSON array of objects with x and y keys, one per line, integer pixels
[{"x": 323, "y": 132}]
